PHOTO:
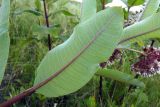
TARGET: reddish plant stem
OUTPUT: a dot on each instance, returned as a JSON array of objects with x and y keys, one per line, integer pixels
[
  {"x": 27, "y": 92},
  {"x": 34, "y": 88},
  {"x": 37, "y": 86},
  {"x": 47, "y": 24},
  {"x": 17, "y": 98},
  {"x": 31, "y": 90}
]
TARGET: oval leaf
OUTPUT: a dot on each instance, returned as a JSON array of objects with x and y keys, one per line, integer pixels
[{"x": 73, "y": 63}]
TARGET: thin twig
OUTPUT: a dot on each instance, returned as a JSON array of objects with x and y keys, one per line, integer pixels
[{"x": 47, "y": 24}]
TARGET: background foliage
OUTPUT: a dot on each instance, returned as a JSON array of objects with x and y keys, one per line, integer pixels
[{"x": 29, "y": 45}]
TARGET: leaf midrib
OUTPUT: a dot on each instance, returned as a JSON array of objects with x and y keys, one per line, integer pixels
[
  {"x": 98, "y": 34},
  {"x": 141, "y": 34}
]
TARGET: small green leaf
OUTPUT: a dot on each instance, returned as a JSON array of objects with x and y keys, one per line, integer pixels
[
  {"x": 67, "y": 13},
  {"x": 34, "y": 12},
  {"x": 135, "y": 2},
  {"x": 120, "y": 76},
  {"x": 43, "y": 31}
]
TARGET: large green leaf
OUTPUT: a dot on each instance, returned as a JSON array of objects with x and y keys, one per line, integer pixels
[
  {"x": 120, "y": 76},
  {"x": 145, "y": 29},
  {"x": 73, "y": 63},
  {"x": 151, "y": 7},
  {"x": 88, "y": 9},
  {"x": 4, "y": 36}
]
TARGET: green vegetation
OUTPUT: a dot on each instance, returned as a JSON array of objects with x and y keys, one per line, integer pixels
[{"x": 77, "y": 71}]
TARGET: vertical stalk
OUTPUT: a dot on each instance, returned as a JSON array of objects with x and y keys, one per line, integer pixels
[
  {"x": 100, "y": 87},
  {"x": 129, "y": 89},
  {"x": 136, "y": 76},
  {"x": 101, "y": 79},
  {"x": 47, "y": 24},
  {"x": 152, "y": 42},
  {"x": 103, "y": 4}
]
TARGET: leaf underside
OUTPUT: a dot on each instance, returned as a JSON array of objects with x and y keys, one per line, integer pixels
[
  {"x": 77, "y": 59},
  {"x": 151, "y": 7},
  {"x": 88, "y": 9},
  {"x": 145, "y": 29},
  {"x": 4, "y": 36}
]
